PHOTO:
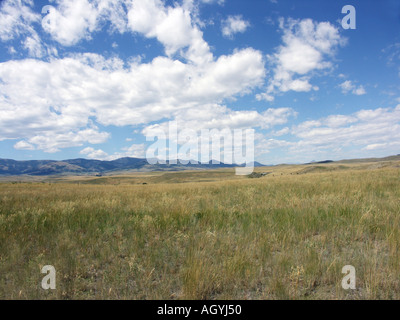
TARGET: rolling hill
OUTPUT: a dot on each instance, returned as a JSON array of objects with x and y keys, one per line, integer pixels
[{"x": 85, "y": 166}]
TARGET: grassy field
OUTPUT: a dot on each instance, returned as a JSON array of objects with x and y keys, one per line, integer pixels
[{"x": 205, "y": 235}]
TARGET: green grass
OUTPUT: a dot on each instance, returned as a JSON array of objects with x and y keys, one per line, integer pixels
[{"x": 282, "y": 236}]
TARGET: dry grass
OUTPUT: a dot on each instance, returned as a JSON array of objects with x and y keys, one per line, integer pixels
[{"x": 284, "y": 236}]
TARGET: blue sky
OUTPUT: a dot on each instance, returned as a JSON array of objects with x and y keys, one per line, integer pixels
[{"x": 93, "y": 78}]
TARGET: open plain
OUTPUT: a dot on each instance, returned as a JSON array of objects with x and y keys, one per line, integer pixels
[{"x": 205, "y": 234}]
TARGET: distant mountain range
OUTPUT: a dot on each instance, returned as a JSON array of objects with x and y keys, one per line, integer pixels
[{"x": 96, "y": 167}]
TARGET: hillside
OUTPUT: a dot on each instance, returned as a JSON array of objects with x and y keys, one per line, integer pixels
[
  {"x": 78, "y": 167},
  {"x": 84, "y": 166}
]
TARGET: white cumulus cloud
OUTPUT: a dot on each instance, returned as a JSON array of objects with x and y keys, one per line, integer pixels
[
  {"x": 307, "y": 47},
  {"x": 70, "y": 21},
  {"x": 233, "y": 25},
  {"x": 348, "y": 86},
  {"x": 23, "y": 145},
  {"x": 51, "y": 103}
]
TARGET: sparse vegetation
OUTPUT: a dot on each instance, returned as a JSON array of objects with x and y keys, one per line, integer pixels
[
  {"x": 258, "y": 174},
  {"x": 285, "y": 236}
]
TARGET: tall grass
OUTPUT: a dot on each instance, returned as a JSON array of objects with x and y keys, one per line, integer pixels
[{"x": 279, "y": 237}]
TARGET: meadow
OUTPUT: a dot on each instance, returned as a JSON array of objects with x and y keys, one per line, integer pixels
[{"x": 205, "y": 234}]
